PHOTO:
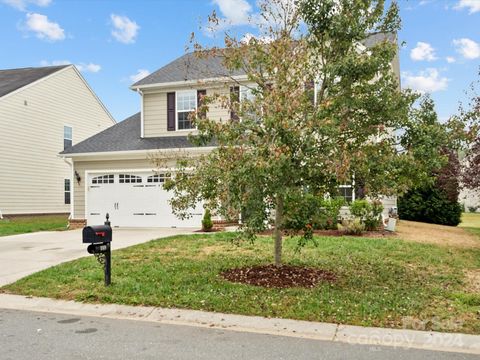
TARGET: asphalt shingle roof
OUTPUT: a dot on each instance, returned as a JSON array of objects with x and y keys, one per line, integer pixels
[
  {"x": 189, "y": 67},
  {"x": 125, "y": 136},
  {"x": 13, "y": 79}
]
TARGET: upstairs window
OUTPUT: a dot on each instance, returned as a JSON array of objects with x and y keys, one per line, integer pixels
[
  {"x": 67, "y": 191},
  {"x": 67, "y": 137},
  {"x": 186, "y": 103}
]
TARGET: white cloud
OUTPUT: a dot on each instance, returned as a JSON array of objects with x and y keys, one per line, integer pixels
[
  {"x": 22, "y": 4},
  {"x": 450, "y": 59},
  {"x": 234, "y": 12},
  {"x": 83, "y": 67},
  {"x": 43, "y": 28},
  {"x": 249, "y": 36},
  {"x": 473, "y": 6},
  {"x": 125, "y": 30},
  {"x": 427, "y": 81},
  {"x": 469, "y": 49},
  {"x": 141, "y": 73},
  {"x": 423, "y": 51}
]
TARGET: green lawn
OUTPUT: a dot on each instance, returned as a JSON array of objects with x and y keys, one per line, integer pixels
[
  {"x": 27, "y": 224},
  {"x": 381, "y": 282},
  {"x": 471, "y": 222}
]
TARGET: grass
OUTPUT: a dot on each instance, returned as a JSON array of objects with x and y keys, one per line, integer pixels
[
  {"x": 28, "y": 224},
  {"x": 383, "y": 282},
  {"x": 471, "y": 223}
]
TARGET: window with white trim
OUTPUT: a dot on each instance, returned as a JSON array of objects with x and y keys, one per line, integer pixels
[
  {"x": 129, "y": 179},
  {"x": 103, "y": 179},
  {"x": 159, "y": 178},
  {"x": 67, "y": 137},
  {"x": 67, "y": 191},
  {"x": 247, "y": 94},
  {"x": 186, "y": 104},
  {"x": 346, "y": 191}
]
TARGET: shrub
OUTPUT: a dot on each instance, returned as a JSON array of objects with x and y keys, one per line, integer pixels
[
  {"x": 307, "y": 212},
  {"x": 472, "y": 208},
  {"x": 368, "y": 213},
  {"x": 207, "y": 223},
  {"x": 326, "y": 216},
  {"x": 352, "y": 226},
  {"x": 431, "y": 205}
]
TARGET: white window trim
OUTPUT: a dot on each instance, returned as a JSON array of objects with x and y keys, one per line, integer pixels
[
  {"x": 69, "y": 190},
  {"x": 176, "y": 108},
  {"x": 64, "y": 138}
]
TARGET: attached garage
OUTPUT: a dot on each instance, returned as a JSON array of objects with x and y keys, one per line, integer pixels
[{"x": 133, "y": 198}]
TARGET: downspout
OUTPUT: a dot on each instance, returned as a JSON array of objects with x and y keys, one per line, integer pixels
[
  {"x": 71, "y": 185},
  {"x": 142, "y": 132}
]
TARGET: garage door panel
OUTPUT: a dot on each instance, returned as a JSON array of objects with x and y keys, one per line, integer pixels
[{"x": 134, "y": 200}]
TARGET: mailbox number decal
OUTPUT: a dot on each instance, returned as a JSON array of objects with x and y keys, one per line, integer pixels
[{"x": 102, "y": 233}]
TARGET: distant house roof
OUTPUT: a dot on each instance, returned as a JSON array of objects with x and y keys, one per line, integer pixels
[
  {"x": 125, "y": 136},
  {"x": 13, "y": 79},
  {"x": 190, "y": 67}
]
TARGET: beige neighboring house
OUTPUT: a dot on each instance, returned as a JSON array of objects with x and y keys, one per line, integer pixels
[
  {"x": 117, "y": 175},
  {"x": 42, "y": 112}
]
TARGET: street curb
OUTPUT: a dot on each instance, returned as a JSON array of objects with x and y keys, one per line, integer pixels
[{"x": 425, "y": 340}]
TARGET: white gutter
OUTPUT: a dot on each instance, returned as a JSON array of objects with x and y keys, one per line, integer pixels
[
  {"x": 191, "y": 82},
  {"x": 136, "y": 152},
  {"x": 142, "y": 127}
]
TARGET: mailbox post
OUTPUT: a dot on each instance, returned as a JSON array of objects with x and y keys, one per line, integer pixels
[{"x": 99, "y": 237}]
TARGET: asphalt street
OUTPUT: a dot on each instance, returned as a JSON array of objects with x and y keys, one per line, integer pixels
[{"x": 38, "y": 336}]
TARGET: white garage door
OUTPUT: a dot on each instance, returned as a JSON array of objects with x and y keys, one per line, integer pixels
[{"x": 134, "y": 199}]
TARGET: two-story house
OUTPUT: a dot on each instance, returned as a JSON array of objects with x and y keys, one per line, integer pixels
[
  {"x": 43, "y": 111},
  {"x": 114, "y": 170}
]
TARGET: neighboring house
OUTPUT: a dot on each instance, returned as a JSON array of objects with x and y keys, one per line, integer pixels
[
  {"x": 117, "y": 173},
  {"x": 470, "y": 199},
  {"x": 42, "y": 112}
]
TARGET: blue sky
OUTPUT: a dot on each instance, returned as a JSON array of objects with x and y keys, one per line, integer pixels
[{"x": 112, "y": 41}]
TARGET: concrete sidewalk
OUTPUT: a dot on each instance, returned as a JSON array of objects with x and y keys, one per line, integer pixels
[
  {"x": 426, "y": 340},
  {"x": 25, "y": 254}
]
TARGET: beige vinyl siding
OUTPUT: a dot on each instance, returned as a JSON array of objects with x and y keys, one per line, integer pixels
[
  {"x": 114, "y": 165},
  {"x": 155, "y": 111},
  {"x": 31, "y": 136}
]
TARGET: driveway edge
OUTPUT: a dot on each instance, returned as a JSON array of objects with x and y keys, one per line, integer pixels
[{"x": 426, "y": 340}]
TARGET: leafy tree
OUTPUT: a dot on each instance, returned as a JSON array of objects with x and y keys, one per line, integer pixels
[
  {"x": 282, "y": 143},
  {"x": 471, "y": 170}
]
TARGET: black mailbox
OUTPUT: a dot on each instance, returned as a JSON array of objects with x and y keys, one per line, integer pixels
[{"x": 97, "y": 234}]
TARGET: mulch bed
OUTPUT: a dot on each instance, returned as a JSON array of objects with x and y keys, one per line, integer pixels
[
  {"x": 284, "y": 276},
  {"x": 338, "y": 233}
]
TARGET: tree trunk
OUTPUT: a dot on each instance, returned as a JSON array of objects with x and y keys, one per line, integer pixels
[{"x": 278, "y": 231}]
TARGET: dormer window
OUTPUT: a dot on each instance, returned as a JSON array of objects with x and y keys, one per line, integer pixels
[{"x": 186, "y": 103}]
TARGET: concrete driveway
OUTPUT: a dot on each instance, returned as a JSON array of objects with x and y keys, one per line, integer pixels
[{"x": 24, "y": 254}]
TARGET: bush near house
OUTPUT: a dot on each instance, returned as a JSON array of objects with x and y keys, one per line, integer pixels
[
  {"x": 435, "y": 203},
  {"x": 431, "y": 205},
  {"x": 311, "y": 211},
  {"x": 207, "y": 223}
]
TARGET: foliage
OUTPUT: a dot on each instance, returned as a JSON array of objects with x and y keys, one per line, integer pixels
[
  {"x": 207, "y": 223},
  {"x": 285, "y": 143},
  {"x": 436, "y": 202},
  {"x": 306, "y": 211},
  {"x": 352, "y": 226},
  {"x": 429, "y": 204},
  {"x": 368, "y": 213},
  {"x": 472, "y": 209}
]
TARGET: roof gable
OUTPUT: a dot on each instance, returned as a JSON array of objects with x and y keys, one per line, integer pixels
[{"x": 14, "y": 79}]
